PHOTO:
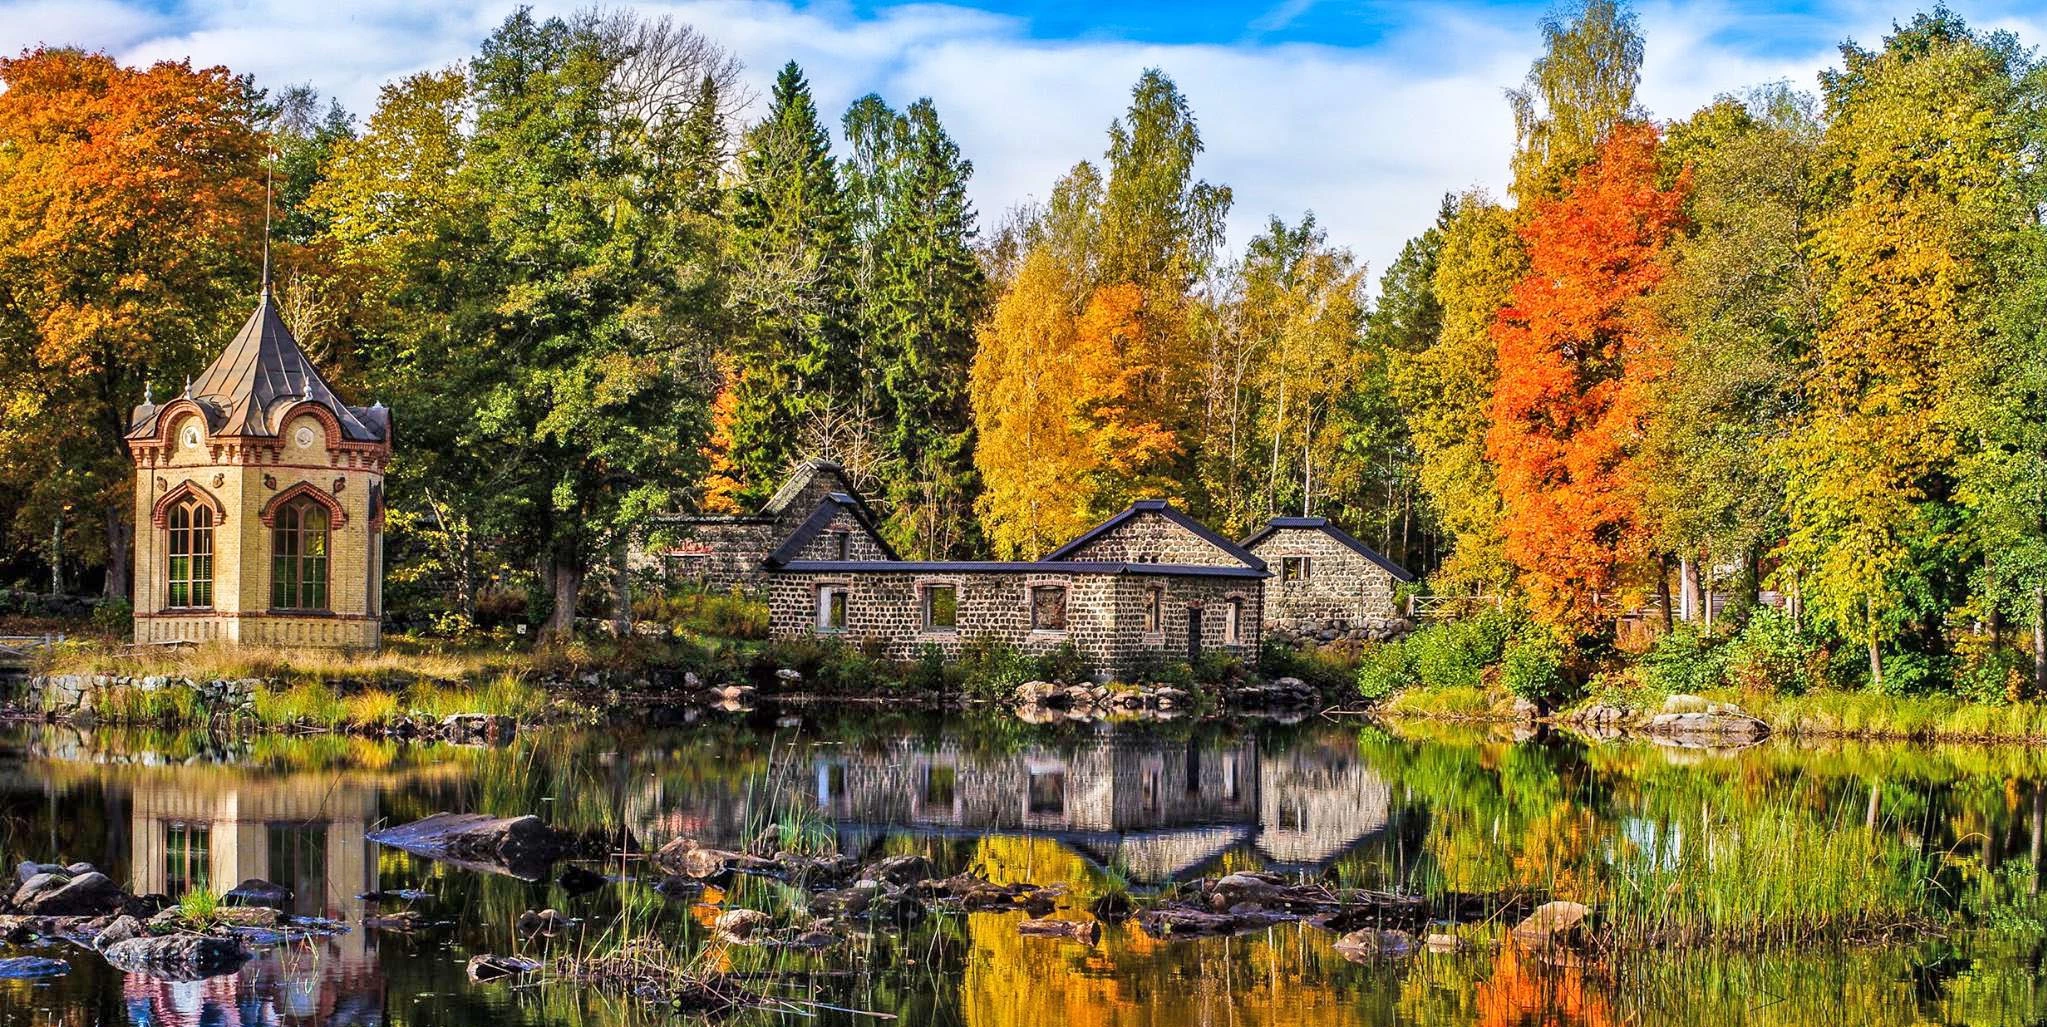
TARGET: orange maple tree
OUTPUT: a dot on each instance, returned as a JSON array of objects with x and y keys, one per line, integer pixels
[
  {"x": 1577, "y": 359},
  {"x": 131, "y": 214}
]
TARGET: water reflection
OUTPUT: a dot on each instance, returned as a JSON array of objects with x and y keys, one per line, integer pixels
[
  {"x": 1091, "y": 809},
  {"x": 1156, "y": 811}
]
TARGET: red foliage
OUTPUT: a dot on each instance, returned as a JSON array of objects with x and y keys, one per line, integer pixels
[{"x": 1577, "y": 361}]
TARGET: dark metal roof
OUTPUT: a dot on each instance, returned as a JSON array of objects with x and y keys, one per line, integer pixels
[
  {"x": 1164, "y": 509},
  {"x": 262, "y": 373},
  {"x": 1174, "y": 570},
  {"x": 824, "y": 514},
  {"x": 1321, "y": 524}
]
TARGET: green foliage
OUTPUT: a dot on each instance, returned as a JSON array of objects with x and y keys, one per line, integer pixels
[
  {"x": 1684, "y": 661},
  {"x": 197, "y": 908},
  {"x": 1385, "y": 668},
  {"x": 1536, "y": 667},
  {"x": 1769, "y": 655},
  {"x": 1454, "y": 653}
]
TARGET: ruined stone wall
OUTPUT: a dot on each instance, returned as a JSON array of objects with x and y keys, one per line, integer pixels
[
  {"x": 1151, "y": 537},
  {"x": 1345, "y": 596},
  {"x": 719, "y": 555},
  {"x": 860, "y": 543},
  {"x": 1105, "y": 613}
]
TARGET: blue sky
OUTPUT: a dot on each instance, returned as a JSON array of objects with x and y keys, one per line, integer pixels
[{"x": 1363, "y": 112}]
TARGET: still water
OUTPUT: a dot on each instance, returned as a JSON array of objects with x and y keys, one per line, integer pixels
[{"x": 1097, "y": 809}]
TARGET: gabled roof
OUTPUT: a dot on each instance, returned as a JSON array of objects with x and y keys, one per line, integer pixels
[
  {"x": 826, "y": 512},
  {"x": 1321, "y": 524},
  {"x": 1036, "y": 567},
  {"x": 1163, "y": 509},
  {"x": 260, "y": 375}
]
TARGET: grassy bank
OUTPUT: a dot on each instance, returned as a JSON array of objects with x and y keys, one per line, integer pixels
[{"x": 1497, "y": 665}]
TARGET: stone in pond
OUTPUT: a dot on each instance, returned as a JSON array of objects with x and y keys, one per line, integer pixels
[
  {"x": 522, "y": 846},
  {"x": 1553, "y": 923},
  {"x": 92, "y": 894},
  {"x": 23, "y": 968},
  {"x": 258, "y": 892},
  {"x": 178, "y": 957},
  {"x": 1371, "y": 945},
  {"x": 497, "y": 968}
]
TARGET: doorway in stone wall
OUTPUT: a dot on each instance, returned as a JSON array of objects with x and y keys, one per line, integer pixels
[{"x": 1193, "y": 633}]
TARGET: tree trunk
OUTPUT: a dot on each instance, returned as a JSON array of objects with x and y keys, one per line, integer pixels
[
  {"x": 57, "y": 557},
  {"x": 2040, "y": 642},
  {"x": 1996, "y": 618},
  {"x": 621, "y": 592},
  {"x": 1663, "y": 590},
  {"x": 120, "y": 553},
  {"x": 565, "y": 580},
  {"x": 1876, "y": 660},
  {"x": 1688, "y": 585}
]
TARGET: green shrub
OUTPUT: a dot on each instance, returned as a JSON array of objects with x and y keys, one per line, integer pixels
[
  {"x": 1384, "y": 670},
  {"x": 1910, "y": 673},
  {"x": 1329, "y": 668},
  {"x": 1065, "y": 664},
  {"x": 1456, "y": 653},
  {"x": 1535, "y": 667},
  {"x": 1686, "y": 661},
  {"x": 1769, "y": 655}
]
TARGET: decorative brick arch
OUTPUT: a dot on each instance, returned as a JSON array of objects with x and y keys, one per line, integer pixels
[
  {"x": 336, "y": 516},
  {"x": 160, "y": 514},
  {"x": 320, "y": 413},
  {"x": 172, "y": 417}
]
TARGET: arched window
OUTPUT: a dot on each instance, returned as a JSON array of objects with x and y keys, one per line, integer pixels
[
  {"x": 298, "y": 561},
  {"x": 190, "y": 576}
]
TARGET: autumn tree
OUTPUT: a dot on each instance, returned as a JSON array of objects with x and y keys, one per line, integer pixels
[
  {"x": 1920, "y": 160},
  {"x": 1580, "y": 89},
  {"x": 1740, "y": 307},
  {"x": 130, "y": 226},
  {"x": 1576, "y": 365},
  {"x": 1446, "y": 390}
]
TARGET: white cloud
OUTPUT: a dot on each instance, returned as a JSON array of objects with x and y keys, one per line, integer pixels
[{"x": 1369, "y": 139}]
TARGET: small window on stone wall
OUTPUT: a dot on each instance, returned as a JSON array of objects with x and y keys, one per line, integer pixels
[
  {"x": 941, "y": 607},
  {"x": 1048, "y": 608},
  {"x": 1233, "y": 622},
  {"x": 1293, "y": 568},
  {"x": 842, "y": 544},
  {"x": 1154, "y": 605},
  {"x": 831, "y": 608}
]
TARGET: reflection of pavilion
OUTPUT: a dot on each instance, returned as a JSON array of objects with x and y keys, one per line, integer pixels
[
  {"x": 305, "y": 833},
  {"x": 1161, "y": 811}
]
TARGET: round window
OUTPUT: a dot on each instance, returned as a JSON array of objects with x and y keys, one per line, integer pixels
[
  {"x": 304, "y": 436},
  {"x": 191, "y": 436}
]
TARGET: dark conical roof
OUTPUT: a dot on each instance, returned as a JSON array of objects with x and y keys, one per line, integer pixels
[{"x": 260, "y": 375}]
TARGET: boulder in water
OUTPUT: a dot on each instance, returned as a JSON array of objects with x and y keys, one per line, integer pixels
[
  {"x": 258, "y": 892},
  {"x": 178, "y": 957},
  {"x": 1553, "y": 924},
  {"x": 54, "y": 894}
]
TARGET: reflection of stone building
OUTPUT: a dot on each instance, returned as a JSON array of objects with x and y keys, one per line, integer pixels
[
  {"x": 1160, "y": 811},
  {"x": 305, "y": 833}
]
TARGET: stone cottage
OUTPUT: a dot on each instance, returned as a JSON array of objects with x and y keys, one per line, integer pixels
[
  {"x": 1325, "y": 585},
  {"x": 259, "y": 503},
  {"x": 1150, "y": 582}
]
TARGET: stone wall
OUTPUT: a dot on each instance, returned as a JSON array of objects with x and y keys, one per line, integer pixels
[
  {"x": 1105, "y": 612},
  {"x": 1149, "y": 536},
  {"x": 860, "y": 543},
  {"x": 719, "y": 555},
  {"x": 1345, "y": 595}
]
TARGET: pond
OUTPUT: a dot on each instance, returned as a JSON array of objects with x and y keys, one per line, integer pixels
[{"x": 1776, "y": 885}]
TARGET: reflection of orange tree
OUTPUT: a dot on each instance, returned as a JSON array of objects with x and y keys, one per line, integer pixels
[
  {"x": 1287, "y": 975},
  {"x": 1524, "y": 991},
  {"x": 1557, "y": 851}
]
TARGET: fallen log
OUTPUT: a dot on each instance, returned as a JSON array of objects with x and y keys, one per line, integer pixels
[{"x": 1087, "y": 932}]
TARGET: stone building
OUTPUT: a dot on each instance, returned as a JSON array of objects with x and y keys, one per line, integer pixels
[
  {"x": 1148, "y": 583},
  {"x": 1325, "y": 585},
  {"x": 259, "y": 503},
  {"x": 731, "y": 550}
]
